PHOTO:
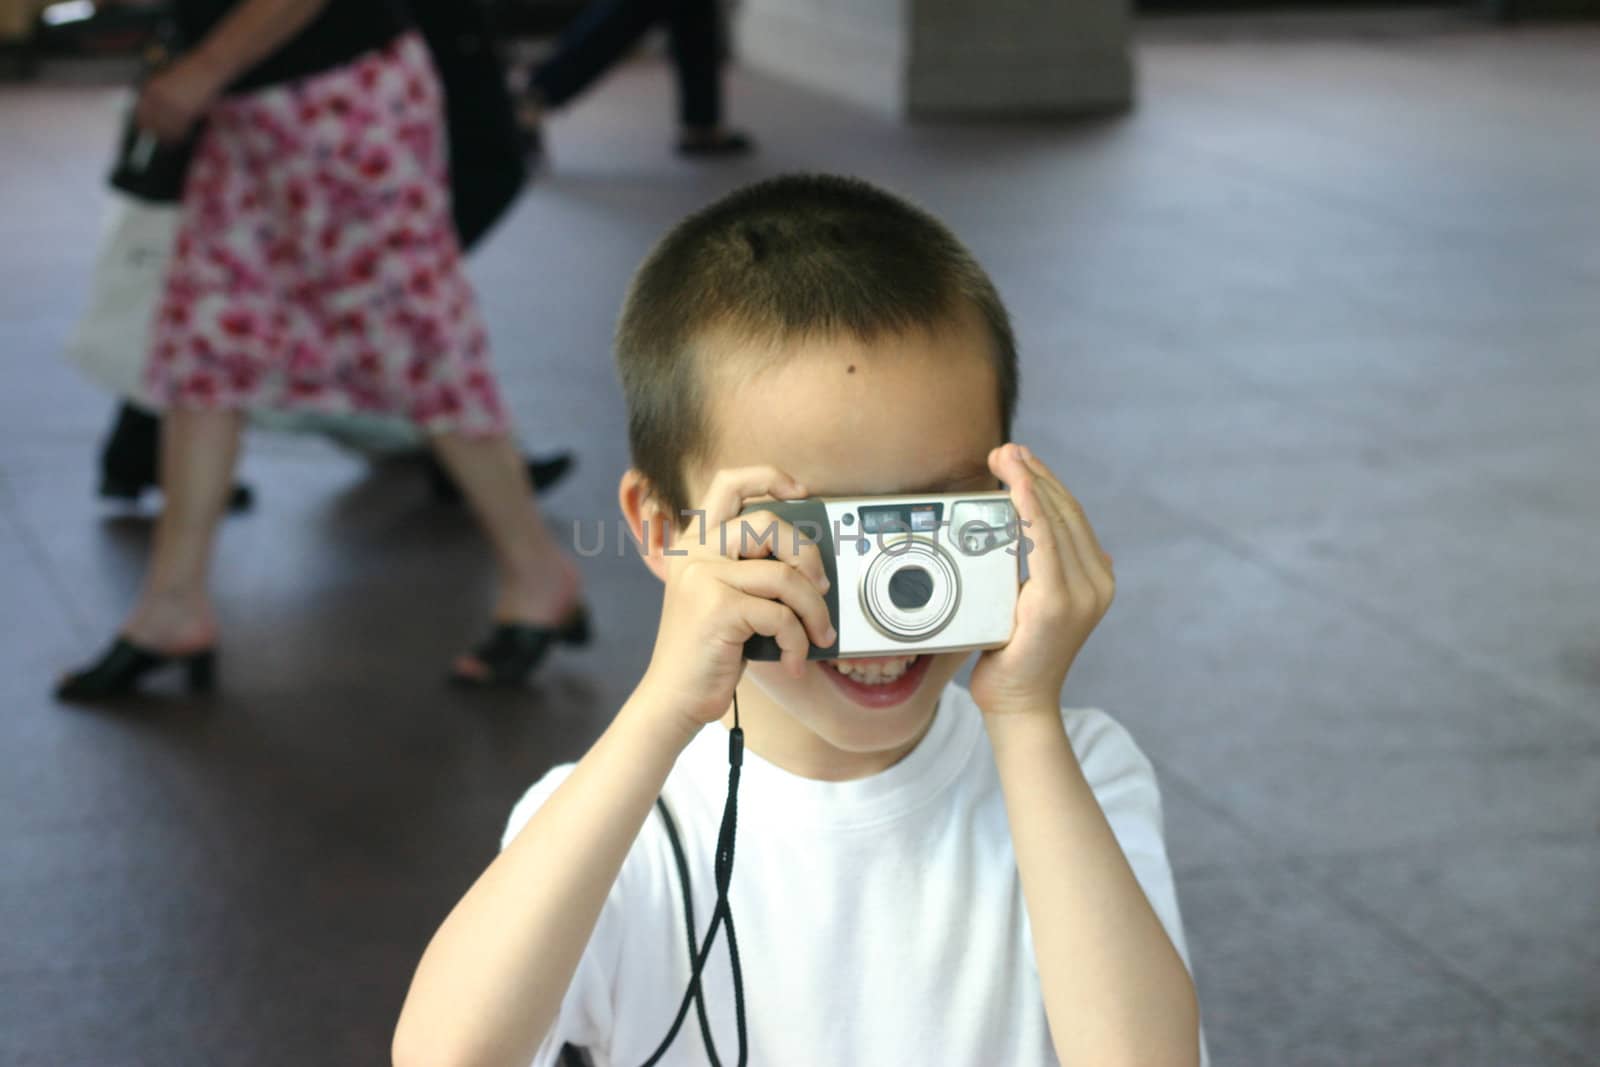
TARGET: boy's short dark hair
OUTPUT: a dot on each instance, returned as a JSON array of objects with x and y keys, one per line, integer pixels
[{"x": 791, "y": 257}]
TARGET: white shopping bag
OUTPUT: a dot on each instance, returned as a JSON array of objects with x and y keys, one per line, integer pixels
[
  {"x": 375, "y": 436},
  {"x": 112, "y": 340}
]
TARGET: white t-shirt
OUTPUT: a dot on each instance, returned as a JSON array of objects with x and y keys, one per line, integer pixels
[{"x": 879, "y": 920}]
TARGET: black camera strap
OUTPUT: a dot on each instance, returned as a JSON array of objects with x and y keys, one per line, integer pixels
[{"x": 721, "y": 914}]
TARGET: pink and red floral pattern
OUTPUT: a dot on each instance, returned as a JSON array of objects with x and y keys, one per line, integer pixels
[{"x": 316, "y": 265}]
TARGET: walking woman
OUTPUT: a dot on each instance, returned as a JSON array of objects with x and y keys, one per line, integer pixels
[{"x": 316, "y": 267}]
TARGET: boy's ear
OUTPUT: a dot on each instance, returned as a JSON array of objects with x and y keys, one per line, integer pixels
[{"x": 647, "y": 522}]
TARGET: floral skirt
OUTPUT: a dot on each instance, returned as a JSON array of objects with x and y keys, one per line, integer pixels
[{"x": 316, "y": 265}]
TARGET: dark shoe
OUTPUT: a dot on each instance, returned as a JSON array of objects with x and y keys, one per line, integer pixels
[
  {"x": 128, "y": 462},
  {"x": 117, "y": 672},
  {"x": 514, "y": 649},
  {"x": 730, "y": 143},
  {"x": 241, "y": 498},
  {"x": 543, "y": 472}
]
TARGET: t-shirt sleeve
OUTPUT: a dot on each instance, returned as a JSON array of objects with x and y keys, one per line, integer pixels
[
  {"x": 1124, "y": 782},
  {"x": 586, "y": 1015}
]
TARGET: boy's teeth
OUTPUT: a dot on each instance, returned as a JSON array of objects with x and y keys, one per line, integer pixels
[{"x": 879, "y": 673}]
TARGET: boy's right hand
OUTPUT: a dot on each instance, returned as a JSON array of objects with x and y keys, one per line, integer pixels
[{"x": 724, "y": 586}]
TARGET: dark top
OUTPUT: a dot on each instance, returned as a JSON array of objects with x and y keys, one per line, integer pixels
[{"x": 343, "y": 30}]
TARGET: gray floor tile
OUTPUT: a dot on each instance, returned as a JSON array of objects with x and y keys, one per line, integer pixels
[
  {"x": 1273, "y": 951},
  {"x": 1510, "y": 589},
  {"x": 1312, "y": 801},
  {"x": 1521, "y": 918},
  {"x": 123, "y": 1013},
  {"x": 1202, "y": 836},
  {"x": 1387, "y": 149},
  {"x": 1208, "y": 650},
  {"x": 1373, "y": 483},
  {"x": 129, "y": 897},
  {"x": 1159, "y": 442},
  {"x": 1576, "y": 1029},
  {"x": 1334, "y": 733}
]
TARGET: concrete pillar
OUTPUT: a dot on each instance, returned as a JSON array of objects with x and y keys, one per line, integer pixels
[{"x": 947, "y": 58}]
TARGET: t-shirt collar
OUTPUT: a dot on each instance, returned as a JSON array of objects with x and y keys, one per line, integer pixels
[{"x": 771, "y": 794}]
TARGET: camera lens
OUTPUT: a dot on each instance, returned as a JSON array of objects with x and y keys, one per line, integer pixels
[{"x": 910, "y": 588}]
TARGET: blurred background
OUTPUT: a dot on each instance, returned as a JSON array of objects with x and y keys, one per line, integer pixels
[{"x": 1309, "y": 306}]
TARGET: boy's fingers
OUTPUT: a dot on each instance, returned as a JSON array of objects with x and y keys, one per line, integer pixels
[
  {"x": 1035, "y": 522},
  {"x": 762, "y": 533},
  {"x": 1072, "y": 559},
  {"x": 1011, "y": 465},
  {"x": 1078, "y": 519},
  {"x": 777, "y": 582},
  {"x": 1044, "y": 557},
  {"x": 731, "y": 488},
  {"x": 1076, "y": 577},
  {"x": 1093, "y": 563},
  {"x": 1089, "y": 580},
  {"x": 771, "y": 619},
  {"x": 1069, "y": 546},
  {"x": 1070, "y": 508},
  {"x": 1003, "y": 463}
]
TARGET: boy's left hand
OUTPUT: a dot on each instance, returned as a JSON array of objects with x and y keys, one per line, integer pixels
[{"x": 1068, "y": 591}]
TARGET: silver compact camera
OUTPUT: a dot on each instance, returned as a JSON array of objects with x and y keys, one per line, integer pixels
[{"x": 908, "y": 574}]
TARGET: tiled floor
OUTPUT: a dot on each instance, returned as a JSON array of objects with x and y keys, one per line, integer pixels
[{"x": 1315, "y": 335}]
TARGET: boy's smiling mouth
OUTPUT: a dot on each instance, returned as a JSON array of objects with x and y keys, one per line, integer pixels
[
  {"x": 873, "y": 670},
  {"x": 878, "y": 681}
]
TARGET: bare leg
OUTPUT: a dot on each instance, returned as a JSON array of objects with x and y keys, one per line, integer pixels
[
  {"x": 174, "y": 614},
  {"x": 539, "y": 583}
]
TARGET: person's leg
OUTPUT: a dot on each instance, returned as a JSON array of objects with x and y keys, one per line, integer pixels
[
  {"x": 695, "y": 31},
  {"x": 601, "y": 34},
  {"x": 698, "y": 51},
  {"x": 539, "y": 583},
  {"x": 174, "y": 614}
]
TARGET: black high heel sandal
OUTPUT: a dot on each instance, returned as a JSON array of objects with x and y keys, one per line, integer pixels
[
  {"x": 117, "y": 672},
  {"x": 514, "y": 649}
]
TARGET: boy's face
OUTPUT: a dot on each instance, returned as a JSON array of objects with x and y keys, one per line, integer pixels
[{"x": 916, "y": 413}]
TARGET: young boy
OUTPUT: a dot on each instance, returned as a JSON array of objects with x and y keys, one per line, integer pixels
[{"x": 925, "y": 874}]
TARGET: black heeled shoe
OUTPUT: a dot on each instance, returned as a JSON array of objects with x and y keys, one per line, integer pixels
[
  {"x": 514, "y": 649},
  {"x": 117, "y": 672},
  {"x": 726, "y": 144}
]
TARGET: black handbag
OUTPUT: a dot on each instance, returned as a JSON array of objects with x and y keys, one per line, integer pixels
[
  {"x": 145, "y": 166},
  {"x": 487, "y": 167}
]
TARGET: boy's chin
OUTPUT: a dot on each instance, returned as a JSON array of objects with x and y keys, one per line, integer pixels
[{"x": 873, "y": 711}]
